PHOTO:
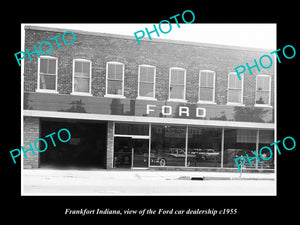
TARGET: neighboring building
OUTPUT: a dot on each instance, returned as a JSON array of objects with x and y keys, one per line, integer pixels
[{"x": 160, "y": 104}]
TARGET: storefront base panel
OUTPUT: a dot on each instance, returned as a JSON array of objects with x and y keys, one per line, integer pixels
[{"x": 201, "y": 169}]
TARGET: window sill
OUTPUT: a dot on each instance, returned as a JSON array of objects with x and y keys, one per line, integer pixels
[
  {"x": 177, "y": 100},
  {"x": 114, "y": 96},
  {"x": 206, "y": 102},
  {"x": 81, "y": 93},
  {"x": 47, "y": 91},
  {"x": 263, "y": 106},
  {"x": 146, "y": 98},
  {"x": 234, "y": 104}
]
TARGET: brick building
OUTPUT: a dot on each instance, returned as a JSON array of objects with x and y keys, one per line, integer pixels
[{"x": 161, "y": 104}]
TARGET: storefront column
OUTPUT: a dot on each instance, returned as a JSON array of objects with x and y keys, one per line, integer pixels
[
  {"x": 110, "y": 145},
  {"x": 222, "y": 148},
  {"x": 257, "y": 146}
]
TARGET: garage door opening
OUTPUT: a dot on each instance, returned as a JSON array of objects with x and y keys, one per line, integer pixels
[{"x": 86, "y": 149}]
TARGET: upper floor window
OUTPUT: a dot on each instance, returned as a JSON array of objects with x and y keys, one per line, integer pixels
[
  {"x": 235, "y": 89},
  {"x": 177, "y": 83},
  {"x": 206, "y": 86},
  {"x": 47, "y": 74},
  {"x": 146, "y": 88},
  {"x": 115, "y": 79},
  {"x": 82, "y": 71},
  {"x": 263, "y": 90}
]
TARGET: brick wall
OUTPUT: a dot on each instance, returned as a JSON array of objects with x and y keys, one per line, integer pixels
[
  {"x": 101, "y": 49},
  {"x": 110, "y": 145},
  {"x": 31, "y": 133}
]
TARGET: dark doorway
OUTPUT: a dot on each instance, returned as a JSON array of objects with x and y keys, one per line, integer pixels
[
  {"x": 130, "y": 152},
  {"x": 86, "y": 149}
]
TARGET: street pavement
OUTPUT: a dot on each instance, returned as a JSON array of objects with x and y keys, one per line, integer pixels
[{"x": 144, "y": 182}]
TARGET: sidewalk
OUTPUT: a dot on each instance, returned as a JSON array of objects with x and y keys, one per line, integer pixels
[
  {"x": 149, "y": 174},
  {"x": 144, "y": 182}
]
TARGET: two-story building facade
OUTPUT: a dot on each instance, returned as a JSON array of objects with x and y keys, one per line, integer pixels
[{"x": 161, "y": 104}]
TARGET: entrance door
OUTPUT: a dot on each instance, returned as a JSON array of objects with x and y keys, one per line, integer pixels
[
  {"x": 123, "y": 152},
  {"x": 140, "y": 152},
  {"x": 131, "y": 152}
]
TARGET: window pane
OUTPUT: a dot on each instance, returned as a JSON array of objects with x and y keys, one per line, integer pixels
[
  {"x": 167, "y": 145},
  {"x": 180, "y": 77},
  {"x": 81, "y": 85},
  {"x": 237, "y": 143},
  {"x": 114, "y": 87},
  {"x": 132, "y": 129},
  {"x": 262, "y": 97},
  {"x": 78, "y": 67},
  {"x": 204, "y": 147},
  {"x": 232, "y": 81},
  {"x": 119, "y": 71},
  {"x": 263, "y": 83},
  {"x": 43, "y": 65},
  {"x": 266, "y": 137},
  {"x": 234, "y": 96},
  {"x": 177, "y": 76},
  {"x": 86, "y": 69},
  {"x": 115, "y": 71},
  {"x": 210, "y": 79},
  {"x": 203, "y": 79},
  {"x": 52, "y": 66},
  {"x": 150, "y": 74},
  {"x": 111, "y": 71},
  {"x": 47, "y": 82},
  {"x": 206, "y": 94},
  {"x": 177, "y": 92},
  {"x": 146, "y": 90},
  {"x": 143, "y": 73}
]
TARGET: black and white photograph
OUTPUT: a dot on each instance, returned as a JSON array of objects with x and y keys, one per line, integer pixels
[
  {"x": 151, "y": 115},
  {"x": 182, "y": 113}
]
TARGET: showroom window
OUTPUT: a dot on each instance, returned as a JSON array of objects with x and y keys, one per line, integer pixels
[
  {"x": 237, "y": 143},
  {"x": 204, "y": 147},
  {"x": 266, "y": 137},
  {"x": 168, "y": 144}
]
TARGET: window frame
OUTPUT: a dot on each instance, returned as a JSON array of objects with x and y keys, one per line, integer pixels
[
  {"x": 214, "y": 88},
  {"x": 73, "y": 78},
  {"x": 38, "y": 75},
  {"x": 242, "y": 89},
  {"x": 106, "y": 80},
  {"x": 139, "y": 80},
  {"x": 184, "y": 89},
  {"x": 269, "y": 98}
]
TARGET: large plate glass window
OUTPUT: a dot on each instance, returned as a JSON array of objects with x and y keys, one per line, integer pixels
[
  {"x": 168, "y": 145},
  {"x": 204, "y": 147}
]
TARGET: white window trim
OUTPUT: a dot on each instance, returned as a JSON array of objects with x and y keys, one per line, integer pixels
[
  {"x": 242, "y": 94},
  {"x": 38, "y": 77},
  {"x": 154, "y": 84},
  {"x": 73, "y": 74},
  {"x": 214, "y": 88},
  {"x": 106, "y": 76},
  {"x": 184, "y": 91},
  {"x": 263, "y": 105}
]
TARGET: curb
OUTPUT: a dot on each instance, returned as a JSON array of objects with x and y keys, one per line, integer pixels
[{"x": 222, "y": 178}]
